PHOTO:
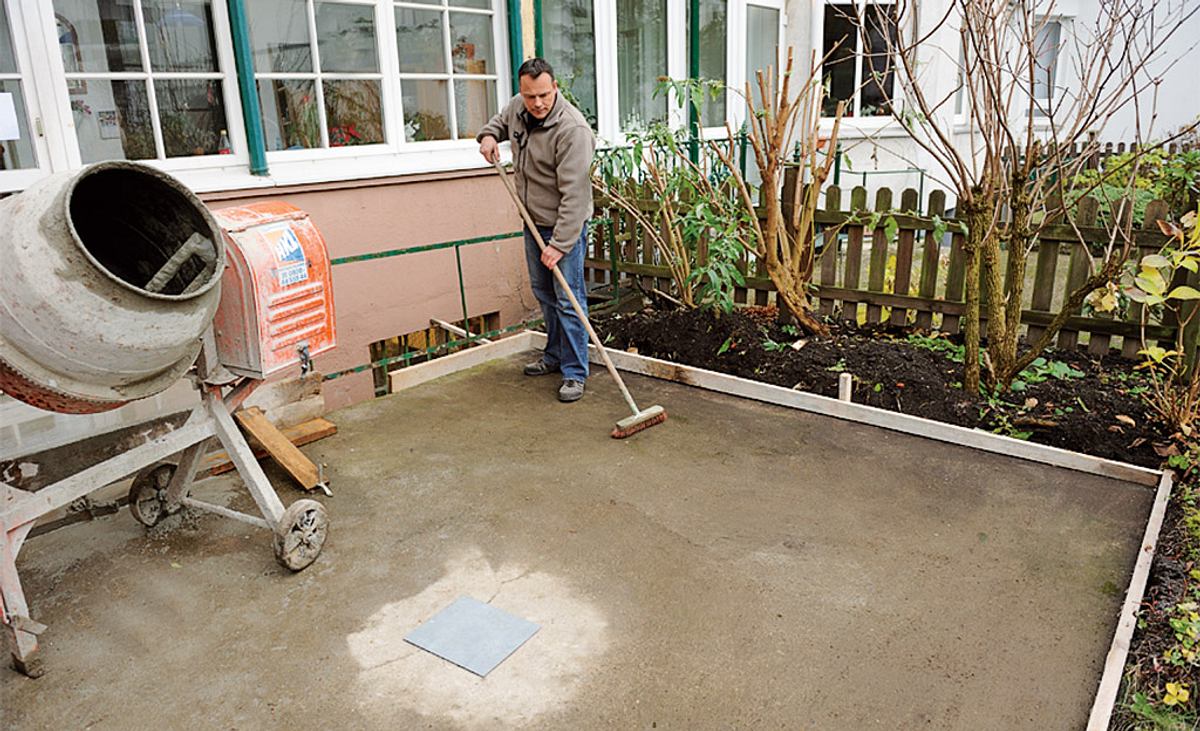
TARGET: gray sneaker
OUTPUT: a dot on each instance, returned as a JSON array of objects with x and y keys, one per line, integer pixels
[
  {"x": 571, "y": 390},
  {"x": 539, "y": 368}
]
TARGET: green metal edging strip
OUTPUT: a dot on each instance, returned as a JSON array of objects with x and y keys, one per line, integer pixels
[
  {"x": 244, "y": 60},
  {"x": 427, "y": 247},
  {"x": 431, "y": 351}
]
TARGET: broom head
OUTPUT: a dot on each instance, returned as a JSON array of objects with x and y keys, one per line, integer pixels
[{"x": 641, "y": 420}]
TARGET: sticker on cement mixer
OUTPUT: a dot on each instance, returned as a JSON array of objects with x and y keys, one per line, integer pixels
[{"x": 293, "y": 267}]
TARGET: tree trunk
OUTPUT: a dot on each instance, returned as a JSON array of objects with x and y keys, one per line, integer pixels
[
  {"x": 993, "y": 279},
  {"x": 794, "y": 295},
  {"x": 1003, "y": 351},
  {"x": 976, "y": 227}
]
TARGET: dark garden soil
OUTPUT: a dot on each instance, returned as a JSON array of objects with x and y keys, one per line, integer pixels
[{"x": 1075, "y": 400}]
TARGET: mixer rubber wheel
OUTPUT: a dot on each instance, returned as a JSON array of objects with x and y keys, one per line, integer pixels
[
  {"x": 147, "y": 494},
  {"x": 300, "y": 534}
]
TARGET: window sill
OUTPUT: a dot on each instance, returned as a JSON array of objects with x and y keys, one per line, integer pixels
[
  {"x": 864, "y": 127},
  {"x": 332, "y": 169}
]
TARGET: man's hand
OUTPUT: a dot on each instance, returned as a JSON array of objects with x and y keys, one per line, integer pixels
[
  {"x": 551, "y": 256},
  {"x": 490, "y": 149}
]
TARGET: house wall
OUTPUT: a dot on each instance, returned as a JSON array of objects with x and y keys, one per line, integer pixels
[
  {"x": 381, "y": 298},
  {"x": 882, "y": 150}
]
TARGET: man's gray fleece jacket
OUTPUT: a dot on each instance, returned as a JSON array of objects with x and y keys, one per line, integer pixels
[{"x": 553, "y": 166}]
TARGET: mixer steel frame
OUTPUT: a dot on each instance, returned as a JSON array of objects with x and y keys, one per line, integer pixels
[{"x": 160, "y": 489}]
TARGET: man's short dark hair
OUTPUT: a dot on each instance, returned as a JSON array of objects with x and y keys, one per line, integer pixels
[{"x": 534, "y": 68}]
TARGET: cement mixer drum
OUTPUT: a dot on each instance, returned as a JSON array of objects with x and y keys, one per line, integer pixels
[{"x": 109, "y": 277}]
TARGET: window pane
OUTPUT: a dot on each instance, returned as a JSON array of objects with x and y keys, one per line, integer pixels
[
  {"x": 471, "y": 43},
  {"x": 641, "y": 59},
  {"x": 712, "y": 57},
  {"x": 191, "y": 114},
  {"x": 426, "y": 111},
  {"x": 419, "y": 37},
  {"x": 878, "y": 73},
  {"x": 472, "y": 3},
  {"x": 762, "y": 47},
  {"x": 474, "y": 103},
  {"x": 354, "y": 112},
  {"x": 290, "y": 117},
  {"x": 279, "y": 36},
  {"x": 346, "y": 37},
  {"x": 837, "y": 73},
  {"x": 112, "y": 121},
  {"x": 97, "y": 35},
  {"x": 180, "y": 35},
  {"x": 1047, "y": 55},
  {"x": 8, "y": 59},
  {"x": 18, "y": 153},
  {"x": 568, "y": 30}
]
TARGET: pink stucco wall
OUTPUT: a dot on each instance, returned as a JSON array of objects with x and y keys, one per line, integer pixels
[{"x": 382, "y": 298}]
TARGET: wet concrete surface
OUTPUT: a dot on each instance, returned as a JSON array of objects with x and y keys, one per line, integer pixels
[{"x": 741, "y": 566}]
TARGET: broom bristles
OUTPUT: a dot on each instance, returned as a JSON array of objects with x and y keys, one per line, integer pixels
[{"x": 652, "y": 416}]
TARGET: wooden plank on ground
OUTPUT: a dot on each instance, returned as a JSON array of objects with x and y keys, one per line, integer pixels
[
  {"x": 310, "y": 431},
  {"x": 254, "y": 422}
]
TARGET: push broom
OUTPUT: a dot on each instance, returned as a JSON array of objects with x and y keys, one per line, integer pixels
[{"x": 640, "y": 419}]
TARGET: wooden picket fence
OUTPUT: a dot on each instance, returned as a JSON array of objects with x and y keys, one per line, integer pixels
[
  {"x": 1096, "y": 154},
  {"x": 914, "y": 277}
]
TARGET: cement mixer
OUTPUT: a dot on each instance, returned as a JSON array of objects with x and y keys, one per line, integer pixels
[{"x": 111, "y": 280}]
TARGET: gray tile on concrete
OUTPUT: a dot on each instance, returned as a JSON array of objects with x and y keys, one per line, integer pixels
[{"x": 472, "y": 635}]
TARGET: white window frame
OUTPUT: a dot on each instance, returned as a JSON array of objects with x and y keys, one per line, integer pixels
[
  {"x": 32, "y": 89},
  {"x": 48, "y": 107},
  {"x": 450, "y": 75},
  {"x": 856, "y": 125},
  {"x": 318, "y": 77},
  {"x": 227, "y": 74},
  {"x": 1056, "y": 70},
  {"x": 962, "y": 93},
  {"x": 608, "y": 93},
  {"x": 373, "y": 157},
  {"x": 736, "y": 70}
]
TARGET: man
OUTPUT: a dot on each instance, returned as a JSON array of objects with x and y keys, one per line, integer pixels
[{"x": 552, "y": 148}]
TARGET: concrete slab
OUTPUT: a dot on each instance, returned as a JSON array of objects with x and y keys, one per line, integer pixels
[{"x": 741, "y": 566}]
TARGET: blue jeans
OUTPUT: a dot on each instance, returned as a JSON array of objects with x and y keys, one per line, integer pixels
[{"x": 566, "y": 337}]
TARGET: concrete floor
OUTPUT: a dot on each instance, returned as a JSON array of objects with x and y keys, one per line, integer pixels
[{"x": 741, "y": 566}]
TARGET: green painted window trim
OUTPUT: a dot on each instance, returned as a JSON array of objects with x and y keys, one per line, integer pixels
[
  {"x": 251, "y": 113},
  {"x": 516, "y": 51}
]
